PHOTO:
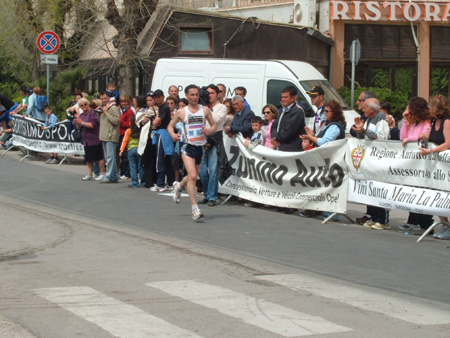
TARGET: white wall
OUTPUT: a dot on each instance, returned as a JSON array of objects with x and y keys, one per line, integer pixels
[{"x": 276, "y": 12}]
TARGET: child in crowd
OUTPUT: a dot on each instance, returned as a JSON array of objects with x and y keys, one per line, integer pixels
[
  {"x": 50, "y": 121},
  {"x": 258, "y": 136},
  {"x": 307, "y": 144},
  {"x": 131, "y": 142},
  {"x": 111, "y": 88}
]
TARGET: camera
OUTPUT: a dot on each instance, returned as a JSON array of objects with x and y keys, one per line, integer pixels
[
  {"x": 98, "y": 110},
  {"x": 70, "y": 115},
  {"x": 423, "y": 143}
]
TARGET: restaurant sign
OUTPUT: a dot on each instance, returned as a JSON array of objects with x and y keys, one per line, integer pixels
[{"x": 390, "y": 11}]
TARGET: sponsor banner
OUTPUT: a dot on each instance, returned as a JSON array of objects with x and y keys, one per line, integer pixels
[
  {"x": 391, "y": 196},
  {"x": 316, "y": 179},
  {"x": 27, "y": 133},
  {"x": 389, "y": 161}
]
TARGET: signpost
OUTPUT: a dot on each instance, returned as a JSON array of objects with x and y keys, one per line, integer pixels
[
  {"x": 355, "y": 55},
  {"x": 48, "y": 44}
]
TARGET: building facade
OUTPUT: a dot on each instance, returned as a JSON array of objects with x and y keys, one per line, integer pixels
[{"x": 405, "y": 45}]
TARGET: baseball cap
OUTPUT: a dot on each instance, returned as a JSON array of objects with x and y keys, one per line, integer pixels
[
  {"x": 158, "y": 92},
  {"x": 316, "y": 90}
]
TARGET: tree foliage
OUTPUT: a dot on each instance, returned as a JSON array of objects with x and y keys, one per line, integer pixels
[
  {"x": 398, "y": 99},
  {"x": 74, "y": 21}
]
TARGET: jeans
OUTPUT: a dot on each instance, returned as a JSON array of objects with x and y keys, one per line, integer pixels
[
  {"x": 96, "y": 169},
  {"x": 209, "y": 170},
  {"x": 134, "y": 159},
  {"x": 163, "y": 165},
  {"x": 109, "y": 153}
]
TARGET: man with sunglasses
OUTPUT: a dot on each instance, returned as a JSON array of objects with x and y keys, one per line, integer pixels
[
  {"x": 362, "y": 98},
  {"x": 317, "y": 96}
]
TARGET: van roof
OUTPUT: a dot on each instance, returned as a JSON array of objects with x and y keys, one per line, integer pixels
[{"x": 301, "y": 70}]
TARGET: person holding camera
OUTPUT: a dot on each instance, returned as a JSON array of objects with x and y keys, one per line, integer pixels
[{"x": 209, "y": 169}]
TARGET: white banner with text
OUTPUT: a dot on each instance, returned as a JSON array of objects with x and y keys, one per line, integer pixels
[
  {"x": 316, "y": 179},
  {"x": 27, "y": 133},
  {"x": 392, "y": 196},
  {"x": 390, "y": 162}
]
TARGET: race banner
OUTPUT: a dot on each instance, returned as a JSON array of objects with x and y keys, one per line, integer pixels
[
  {"x": 27, "y": 133},
  {"x": 391, "y": 196},
  {"x": 316, "y": 179},
  {"x": 389, "y": 161}
]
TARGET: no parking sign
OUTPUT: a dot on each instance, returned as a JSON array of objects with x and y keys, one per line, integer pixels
[{"x": 48, "y": 42}]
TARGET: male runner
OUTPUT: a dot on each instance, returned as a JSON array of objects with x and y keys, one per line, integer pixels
[{"x": 193, "y": 137}]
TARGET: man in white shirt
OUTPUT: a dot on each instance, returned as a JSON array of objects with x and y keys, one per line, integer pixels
[{"x": 209, "y": 168}]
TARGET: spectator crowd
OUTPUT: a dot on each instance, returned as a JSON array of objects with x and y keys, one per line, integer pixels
[{"x": 167, "y": 143}]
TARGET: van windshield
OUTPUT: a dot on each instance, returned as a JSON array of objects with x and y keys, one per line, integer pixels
[{"x": 330, "y": 92}]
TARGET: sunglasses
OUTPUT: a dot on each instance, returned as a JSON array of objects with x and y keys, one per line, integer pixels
[
  {"x": 326, "y": 111},
  {"x": 84, "y": 105},
  {"x": 267, "y": 112}
]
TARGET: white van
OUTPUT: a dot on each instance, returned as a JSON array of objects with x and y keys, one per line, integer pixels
[{"x": 264, "y": 80}]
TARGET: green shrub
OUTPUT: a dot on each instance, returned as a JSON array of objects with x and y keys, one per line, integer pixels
[{"x": 397, "y": 99}]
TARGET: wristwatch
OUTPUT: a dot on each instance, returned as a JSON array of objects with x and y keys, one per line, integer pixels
[{"x": 82, "y": 123}]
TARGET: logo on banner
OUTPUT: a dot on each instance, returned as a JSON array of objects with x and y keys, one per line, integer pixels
[{"x": 357, "y": 156}]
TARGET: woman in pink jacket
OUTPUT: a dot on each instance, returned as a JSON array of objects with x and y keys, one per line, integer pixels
[{"x": 415, "y": 127}]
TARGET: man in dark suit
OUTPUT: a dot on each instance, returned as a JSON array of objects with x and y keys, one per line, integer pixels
[
  {"x": 242, "y": 121},
  {"x": 290, "y": 124}
]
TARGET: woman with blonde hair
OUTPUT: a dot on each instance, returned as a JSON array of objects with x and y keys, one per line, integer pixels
[{"x": 88, "y": 123}]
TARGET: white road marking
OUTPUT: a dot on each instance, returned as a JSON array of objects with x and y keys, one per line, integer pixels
[
  {"x": 410, "y": 311},
  {"x": 119, "y": 319},
  {"x": 258, "y": 312}
]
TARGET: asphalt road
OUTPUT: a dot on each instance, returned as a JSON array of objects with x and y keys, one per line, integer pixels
[{"x": 388, "y": 260}]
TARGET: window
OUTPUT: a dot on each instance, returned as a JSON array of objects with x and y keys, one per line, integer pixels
[
  {"x": 196, "y": 40},
  {"x": 274, "y": 88}
]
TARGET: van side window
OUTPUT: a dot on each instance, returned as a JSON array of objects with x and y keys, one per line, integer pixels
[{"x": 274, "y": 88}]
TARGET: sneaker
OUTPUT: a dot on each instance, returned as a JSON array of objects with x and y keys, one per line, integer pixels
[
  {"x": 132, "y": 186},
  {"x": 443, "y": 235},
  {"x": 409, "y": 227},
  {"x": 87, "y": 178},
  {"x": 176, "y": 192},
  {"x": 368, "y": 223},
  {"x": 211, "y": 203},
  {"x": 380, "y": 226},
  {"x": 362, "y": 220},
  {"x": 158, "y": 189},
  {"x": 203, "y": 201},
  {"x": 48, "y": 161},
  {"x": 54, "y": 161},
  {"x": 100, "y": 177},
  {"x": 123, "y": 178},
  {"x": 105, "y": 181},
  {"x": 197, "y": 214},
  {"x": 169, "y": 187}
]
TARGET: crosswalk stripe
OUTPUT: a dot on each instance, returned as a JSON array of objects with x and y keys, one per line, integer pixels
[
  {"x": 413, "y": 312},
  {"x": 258, "y": 312},
  {"x": 119, "y": 319}
]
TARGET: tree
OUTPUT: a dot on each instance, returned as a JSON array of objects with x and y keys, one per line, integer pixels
[
  {"x": 75, "y": 23},
  {"x": 129, "y": 25}
]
